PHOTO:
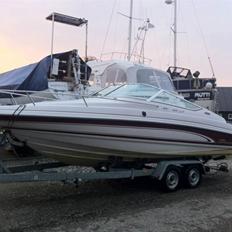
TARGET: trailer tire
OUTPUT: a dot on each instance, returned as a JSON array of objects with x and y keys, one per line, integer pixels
[
  {"x": 193, "y": 176},
  {"x": 171, "y": 180}
]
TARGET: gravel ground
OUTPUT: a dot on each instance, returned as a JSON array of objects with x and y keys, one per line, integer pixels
[{"x": 117, "y": 206}]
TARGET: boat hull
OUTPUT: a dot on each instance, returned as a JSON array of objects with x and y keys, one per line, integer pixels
[
  {"x": 94, "y": 130},
  {"x": 91, "y": 143}
]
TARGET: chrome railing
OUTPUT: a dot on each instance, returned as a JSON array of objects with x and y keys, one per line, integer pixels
[
  {"x": 15, "y": 95},
  {"x": 123, "y": 56}
]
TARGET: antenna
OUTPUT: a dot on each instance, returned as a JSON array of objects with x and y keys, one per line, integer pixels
[
  {"x": 141, "y": 36},
  {"x": 211, "y": 66}
]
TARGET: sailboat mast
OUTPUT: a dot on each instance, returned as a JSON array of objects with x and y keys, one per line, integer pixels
[
  {"x": 175, "y": 32},
  {"x": 130, "y": 31},
  {"x": 174, "y": 29}
]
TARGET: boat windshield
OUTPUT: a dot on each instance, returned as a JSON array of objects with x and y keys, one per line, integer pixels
[
  {"x": 174, "y": 100},
  {"x": 156, "y": 78},
  {"x": 106, "y": 91},
  {"x": 147, "y": 93},
  {"x": 137, "y": 90}
]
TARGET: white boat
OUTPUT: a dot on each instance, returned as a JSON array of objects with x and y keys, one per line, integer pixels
[
  {"x": 125, "y": 123},
  {"x": 116, "y": 72}
]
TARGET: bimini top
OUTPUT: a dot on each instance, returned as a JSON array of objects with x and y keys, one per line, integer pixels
[
  {"x": 147, "y": 93},
  {"x": 114, "y": 72}
]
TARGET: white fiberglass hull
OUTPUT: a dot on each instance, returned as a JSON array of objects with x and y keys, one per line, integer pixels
[
  {"x": 90, "y": 144},
  {"x": 90, "y": 131}
]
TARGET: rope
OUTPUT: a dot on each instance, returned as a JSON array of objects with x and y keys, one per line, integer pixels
[
  {"x": 108, "y": 28},
  {"x": 203, "y": 38},
  {"x": 16, "y": 113}
]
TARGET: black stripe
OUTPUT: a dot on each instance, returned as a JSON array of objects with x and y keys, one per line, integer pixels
[
  {"x": 123, "y": 136},
  {"x": 219, "y": 137}
]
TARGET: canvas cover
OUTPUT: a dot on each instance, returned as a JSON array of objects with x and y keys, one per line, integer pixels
[{"x": 34, "y": 77}]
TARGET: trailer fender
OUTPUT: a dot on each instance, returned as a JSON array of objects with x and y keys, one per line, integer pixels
[{"x": 162, "y": 166}]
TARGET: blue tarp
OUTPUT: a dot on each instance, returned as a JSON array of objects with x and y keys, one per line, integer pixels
[
  {"x": 12, "y": 79},
  {"x": 33, "y": 77},
  {"x": 30, "y": 77}
]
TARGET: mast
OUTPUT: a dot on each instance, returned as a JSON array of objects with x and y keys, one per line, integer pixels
[
  {"x": 52, "y": 41},
  {"x": 174, "y": 29},
  {"x": 130, "y": 31},
  {"x": 175, "y": 32}
]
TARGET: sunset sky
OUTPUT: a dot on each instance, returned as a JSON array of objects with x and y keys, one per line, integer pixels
[{"x": 204, "y": 26}]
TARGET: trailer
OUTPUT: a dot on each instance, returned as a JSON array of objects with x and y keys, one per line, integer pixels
[{"x": 172, "y": 174}]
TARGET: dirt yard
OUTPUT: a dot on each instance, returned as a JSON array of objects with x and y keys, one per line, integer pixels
[{"x": 134, "y": 206}]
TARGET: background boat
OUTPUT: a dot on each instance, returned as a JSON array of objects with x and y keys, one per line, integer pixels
[{"x": 65, "y": 76}]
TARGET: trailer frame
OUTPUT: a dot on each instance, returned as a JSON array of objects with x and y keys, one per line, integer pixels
[{"x": 39, "y": 170}]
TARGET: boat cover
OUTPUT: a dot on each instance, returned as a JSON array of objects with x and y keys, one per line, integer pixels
[{"x": 34, "y": 77}]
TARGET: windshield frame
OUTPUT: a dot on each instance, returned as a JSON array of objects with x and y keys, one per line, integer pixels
[{"x": 151, "y": 99}]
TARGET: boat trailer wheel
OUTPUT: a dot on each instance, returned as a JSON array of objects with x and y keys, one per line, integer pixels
[
  {"x": 193, "y": 177},
  {"x": 171, "y": 179}
]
